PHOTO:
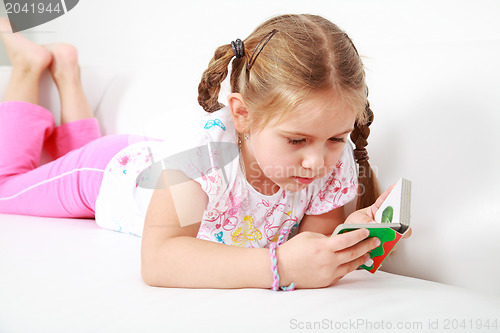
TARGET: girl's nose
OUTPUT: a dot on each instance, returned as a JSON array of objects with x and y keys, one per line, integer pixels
[{"x": 314, "y": 159}]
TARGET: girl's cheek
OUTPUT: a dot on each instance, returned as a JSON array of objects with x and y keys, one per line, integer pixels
[{"x": 332, "y": 160}]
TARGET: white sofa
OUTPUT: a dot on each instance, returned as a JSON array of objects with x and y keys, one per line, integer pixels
[{"x": 432, "y": 69}]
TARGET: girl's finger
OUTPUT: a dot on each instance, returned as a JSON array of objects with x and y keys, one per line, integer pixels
[
  {"x": 407, "y": 233},
  {"x": 358, "y": 250},
  {"x": 350, "y": 266},
  {"x": 359, "y": 218},
  {"x": 348, "y": 239}
]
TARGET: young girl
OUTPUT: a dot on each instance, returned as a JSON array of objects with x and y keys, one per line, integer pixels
[{"x": 274, "y": 163}]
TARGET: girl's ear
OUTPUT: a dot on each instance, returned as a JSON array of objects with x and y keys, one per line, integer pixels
[{"x": 239, "y": 112}]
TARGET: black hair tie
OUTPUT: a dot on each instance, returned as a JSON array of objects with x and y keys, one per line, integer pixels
[{"x": 238, "y": 49}]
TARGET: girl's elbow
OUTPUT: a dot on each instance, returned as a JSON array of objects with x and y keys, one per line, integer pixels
[
  {"x": 151, "y": 275},
  {"x": 149, "y": 267},
  {"x": 147, "y": 270},
  {"x": 153, "y": 268}
]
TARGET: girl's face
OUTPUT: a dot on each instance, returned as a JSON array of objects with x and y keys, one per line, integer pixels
[{"x": 303, "y": 147}]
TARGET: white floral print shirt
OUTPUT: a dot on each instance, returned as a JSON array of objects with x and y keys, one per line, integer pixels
[{"x": 236, "y": 213}]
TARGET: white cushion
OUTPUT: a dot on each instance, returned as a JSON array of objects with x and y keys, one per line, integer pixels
[{"x": 64, "y": 275}]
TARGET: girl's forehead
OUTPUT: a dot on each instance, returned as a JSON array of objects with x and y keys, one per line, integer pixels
[{"x": 320, "y": 113}]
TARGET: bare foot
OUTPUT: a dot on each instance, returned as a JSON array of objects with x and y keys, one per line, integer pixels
[
  {"x": 64, "y": 64},
  {"x": 23, "y": 53}
]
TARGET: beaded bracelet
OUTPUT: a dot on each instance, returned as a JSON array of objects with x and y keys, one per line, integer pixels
[{"x": 274, "y": 268}]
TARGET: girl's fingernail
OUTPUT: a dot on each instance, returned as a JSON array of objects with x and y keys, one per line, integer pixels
[
  {"x": 368, "y": 261},
  {"x": 377, "y": 242}
]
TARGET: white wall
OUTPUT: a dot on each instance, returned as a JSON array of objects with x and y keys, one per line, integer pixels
[
  {"x": 185, "y": 33},
  {"x": 181, "y": 36}
]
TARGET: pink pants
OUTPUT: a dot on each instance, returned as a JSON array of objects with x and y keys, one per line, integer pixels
[{"x": 65, "y": 187}]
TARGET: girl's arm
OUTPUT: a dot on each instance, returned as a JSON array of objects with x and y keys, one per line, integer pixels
[
  {"x": 325, "y": 223},
  {"x": 172, "y": 256}
]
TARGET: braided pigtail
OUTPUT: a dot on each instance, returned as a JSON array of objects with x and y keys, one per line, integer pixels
[
  {"x": 368, "y": 186},
  {"x": 209, "y": 87}
]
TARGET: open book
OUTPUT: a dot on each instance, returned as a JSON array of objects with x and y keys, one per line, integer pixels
[{"x": 393, "y": 220}]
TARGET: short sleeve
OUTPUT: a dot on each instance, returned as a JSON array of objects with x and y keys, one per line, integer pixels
[
  {"x": 211, "y": 160},
  {"x": 337, "y": 188}
]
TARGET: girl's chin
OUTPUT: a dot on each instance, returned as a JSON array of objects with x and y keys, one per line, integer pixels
[
  {"x": 291, "y": 184},
  {"x": 294, "y": 186}
]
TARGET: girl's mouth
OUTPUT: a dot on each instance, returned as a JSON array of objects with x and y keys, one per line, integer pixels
[{"x": 304, "y": 180}]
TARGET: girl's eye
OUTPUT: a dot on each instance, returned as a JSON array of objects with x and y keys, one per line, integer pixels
[
  {"x": 296, "y": 141},
  {"x": 341, "y": 140}
]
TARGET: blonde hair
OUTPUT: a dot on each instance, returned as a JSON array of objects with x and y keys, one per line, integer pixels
[{"x": 308, "y": 54}]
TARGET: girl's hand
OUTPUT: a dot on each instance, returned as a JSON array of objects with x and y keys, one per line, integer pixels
[
  {"x": 313, "y": 260},
  {"x": 367, "y": 215}
]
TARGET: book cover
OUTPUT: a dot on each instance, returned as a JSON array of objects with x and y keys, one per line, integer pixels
[{"x": 392, "y": 221}]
